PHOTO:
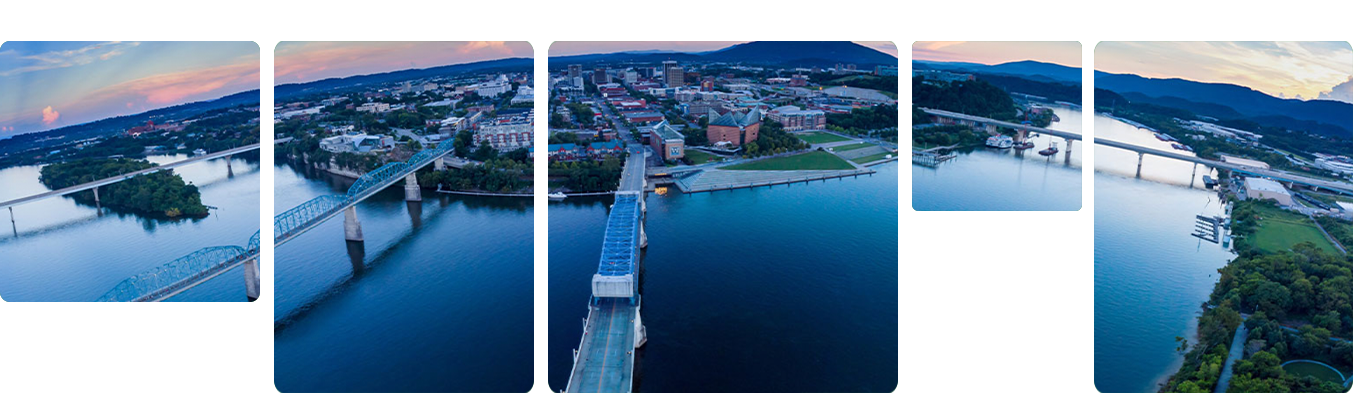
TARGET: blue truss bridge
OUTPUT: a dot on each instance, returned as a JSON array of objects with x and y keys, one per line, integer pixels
[
  {"x": 189, "y": 271},
  {"x": 311, "y": 213},
  {"x": 183, "y": 273},
  {"x": 613, "y": 330}
]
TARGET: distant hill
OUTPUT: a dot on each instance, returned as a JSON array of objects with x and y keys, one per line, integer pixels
[
  {"x": 297, "y": 89},
  {"x": 119, "y": 124},
  {"x": 777, "y": 53},
  {"x": 1245, "y": 101},
  {"x": 1028, "y": 69}
]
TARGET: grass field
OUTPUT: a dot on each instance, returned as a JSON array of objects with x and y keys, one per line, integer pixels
[
  {"x": 699, "y": 157},
  {"x": 1315, "y": 370},
  {"x": 816, "y": 160},
  {"x": 821, "y": 137},
  {"x": 1280, "y": 230},
  {"x": 871, "y": 158},
  {"x": 860, "y": 145}
]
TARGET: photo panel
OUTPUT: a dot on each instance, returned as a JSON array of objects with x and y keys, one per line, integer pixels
[
  {"x": 996, "y": 126},
  {"x": 404, "y": 220},
  {"x": 130, "y": 171},
  {"x": 723, "y": 216},
  {"x": 1222, "y": 199}
]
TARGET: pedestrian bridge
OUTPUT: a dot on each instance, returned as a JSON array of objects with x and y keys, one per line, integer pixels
[
  {"x": 311, "y": 213},
  {"x": 189, "y": 271},
  {"x": 614, "y": 329}
]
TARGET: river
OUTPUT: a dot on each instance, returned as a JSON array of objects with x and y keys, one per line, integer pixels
[
  {"x": 1023, "y": 180},
  {"x": 1151, "y": 277},
  {"x": 59, "y": 250},
  {"x": 768, "y": 290},
  {"x": 438, "y": 298}
]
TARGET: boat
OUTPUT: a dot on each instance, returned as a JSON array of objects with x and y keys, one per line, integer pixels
[
  {"x": 1024, "y": 145},
  {"x": 1180, "y": 146},
  {"x": 556, "y": 196},
  {"x": 1050, "y": 150},
  {"x": 199, "y": 152},
  {"x": 1166, "y": 137},
  {"x": 1000, "y": 142}
]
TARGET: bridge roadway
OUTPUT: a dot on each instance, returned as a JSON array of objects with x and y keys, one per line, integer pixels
[
  {"x": 125, "y": 176},
  {"x": 1005, "y": 124},
  {"x": 604, "y": 360},
  {"x": 1253, "y": 171},
  {"x": 308, "y": 215}
]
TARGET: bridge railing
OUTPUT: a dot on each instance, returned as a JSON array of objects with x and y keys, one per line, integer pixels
[{"x": 174, "y": 274}]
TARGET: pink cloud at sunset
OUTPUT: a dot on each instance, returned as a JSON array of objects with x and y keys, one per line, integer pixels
[
  {"x": 49, "y": 115},
  {"x": 297, "y": 62},
  {"x": 1067, "y": 53},
  {"x": 176, "y": 87}
]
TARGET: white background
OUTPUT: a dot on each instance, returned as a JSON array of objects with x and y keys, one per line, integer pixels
[{"x": 979, "y": 311}]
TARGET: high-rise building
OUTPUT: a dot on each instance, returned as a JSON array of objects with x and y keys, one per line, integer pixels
[
  {"x": 673, "y": 74},
  {"x": 599, "y": 76},
  {"x": 631, "y": 77},
  {"x": 574, "y": 71}
]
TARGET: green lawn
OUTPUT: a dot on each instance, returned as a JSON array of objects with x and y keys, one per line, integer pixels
[
  {"x": 816, "y": 160},
  {"x": 699, "y": 157},
  {"x": 860, "y": 145},
  {"x": 1280, "y": 230},
  {"x": 871, "y": 158},
  {"x": 821, "y": 137},
  {"x": 1315, "y": 370}
]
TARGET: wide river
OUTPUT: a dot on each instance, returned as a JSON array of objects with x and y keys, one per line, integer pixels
[
  {"x": 438, "y": 298},
  {"x": 987, "y": 179},
  {"x": 59, "y": 250},
  {"x": 1151, "y": 277},
  {"x": 787, "y": 289}
]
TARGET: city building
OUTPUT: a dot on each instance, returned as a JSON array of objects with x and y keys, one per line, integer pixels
[
  {"x": 794, "y": 118},
  {"x": 494, "y": 87},
  {"x": 524, "y": 94},
  {"x": 672, "y": 74},
  {"x": 357, "y": 143},
  {"x": 1261, "y": 188},
  {"x": 599, "y": 76},
  {"x": 885, "y": 70},
  {"x": 374, "y": 107},
  {"x": 669, "y": 143},
  {"x": 734, "y": 127},
  {"x": 575, "y": 71},
  {"x": 506, "y": 136}
]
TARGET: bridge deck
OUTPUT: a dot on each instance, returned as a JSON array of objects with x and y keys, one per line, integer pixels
[
  {"x": 1270, "y": 173},
  {"x": 1006, "y": 124},
  {"x": 606, "y": 357}
]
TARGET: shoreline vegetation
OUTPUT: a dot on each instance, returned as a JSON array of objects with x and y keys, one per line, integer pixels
[
  {"x": 1296, "y": 304},
  {"x": 161, "y": 194}
]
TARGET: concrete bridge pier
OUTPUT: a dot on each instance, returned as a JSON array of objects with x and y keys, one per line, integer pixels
[
  {"x": 438, "y": 164},
  {"x": 640, "y": 332},
  {"x": 352, "y": 229},
  {"x": 251, "y": 274},
  {"x": 1139, "y": 163},
  {"x": 643, "y": 237},
  {"x": 97, "y": 203},
  {"x": 230, "y": 170},
  {"x": 1193, "y": 174},
  {"x": 411, "y": 191}
]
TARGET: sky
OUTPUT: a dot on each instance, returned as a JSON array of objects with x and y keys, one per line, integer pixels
[
  {"x": 1067, "y": 53},
  {"x": 1303, "y": 70},
  {"x": 300, "y": 62},
  {"x": 46, "y": 85},
  {"x": 570, "y": 48}
]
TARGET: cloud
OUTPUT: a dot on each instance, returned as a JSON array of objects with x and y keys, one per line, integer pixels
[
  {"x": 1340, "y": 92},
  {"x": 174, "y": 88},
  {"x": 306, "y": 61},
  {"x": 69, "y": 58},
  {"x": 49, "y": 116}
]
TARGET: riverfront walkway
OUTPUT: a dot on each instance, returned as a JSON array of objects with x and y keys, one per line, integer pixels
[
  {"x": 710, "y": 180},
  {"x": 1237, "y": 351}
]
